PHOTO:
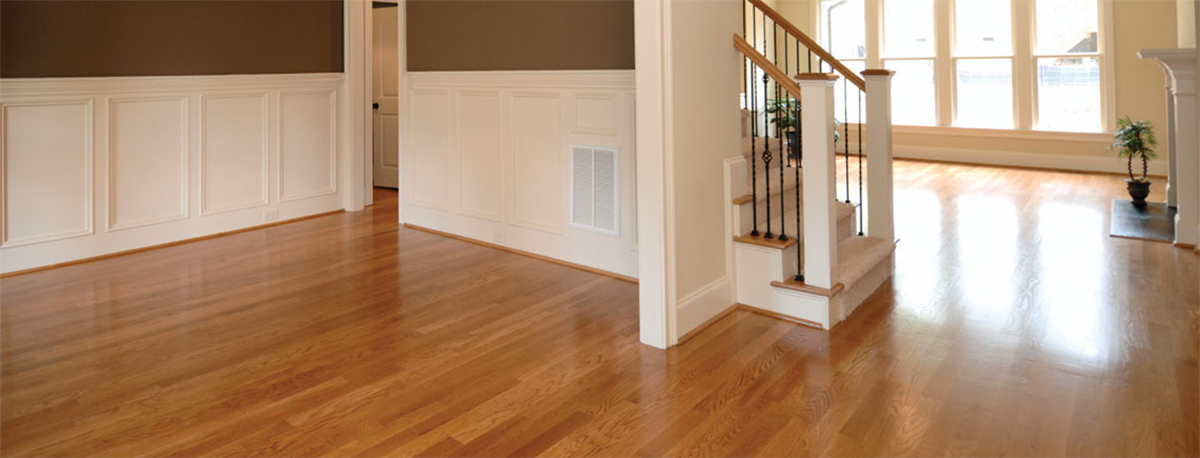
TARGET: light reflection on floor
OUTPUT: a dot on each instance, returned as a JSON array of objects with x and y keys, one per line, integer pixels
[{"x": 1014, "y": 267}]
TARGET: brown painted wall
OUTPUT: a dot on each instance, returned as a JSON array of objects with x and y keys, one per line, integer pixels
[
  {"x": 520, "y": 35},
  {"x": 157, "y": 38}
]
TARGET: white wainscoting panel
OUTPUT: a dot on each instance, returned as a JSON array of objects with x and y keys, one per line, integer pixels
[
  {"x": 430, "y": 135},
  {"x": 538, "y": 159},
  {"x": 487, "y": 156},
  {"x": 307, "y": 149},
  {"x": 47, "y": 160},
  {"x": 233, "y": 152},
  {"x": 147, "y": 160},
  {"x": 159, "y": 159},
  {"x": 481, "y": 141}
]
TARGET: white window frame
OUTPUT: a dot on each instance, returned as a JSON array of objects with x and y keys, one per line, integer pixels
[{"x": 1024, "y": 62}]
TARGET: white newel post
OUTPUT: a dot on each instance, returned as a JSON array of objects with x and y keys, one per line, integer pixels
[
  {"x": 820, "y": 218},
  {"x": 880, "y": 209},
  {"x": 1180, "y": 67}
]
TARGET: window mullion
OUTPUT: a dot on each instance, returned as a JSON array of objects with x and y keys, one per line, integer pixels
[
  {"x": 944, "y": 82},
  {"x": 1024, "y": 70}
]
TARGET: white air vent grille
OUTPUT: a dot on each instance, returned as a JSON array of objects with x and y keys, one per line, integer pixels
[{"x": 595, "y": 189}]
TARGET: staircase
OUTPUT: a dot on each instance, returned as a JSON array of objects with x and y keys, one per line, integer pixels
[{"x": 800, "y": 253}]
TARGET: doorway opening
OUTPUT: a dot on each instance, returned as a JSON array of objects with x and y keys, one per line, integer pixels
[{"x": 385, "y": 90}]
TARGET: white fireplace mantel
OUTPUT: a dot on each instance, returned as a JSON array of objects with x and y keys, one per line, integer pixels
[{"x": 1183, "y": 178}]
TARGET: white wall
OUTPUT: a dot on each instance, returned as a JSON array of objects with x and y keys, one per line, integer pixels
[
  {"x": 487, "y": 156},
  {"x": 707, "y": 130},
  {"x": 93, "y": 166}
]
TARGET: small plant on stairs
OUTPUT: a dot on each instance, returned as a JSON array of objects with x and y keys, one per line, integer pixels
[
  {"x": 782, "y": 113},
  {"x": 1135, "y": 140}
]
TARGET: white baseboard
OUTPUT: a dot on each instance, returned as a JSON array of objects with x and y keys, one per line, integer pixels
[
  {"x": 704, "y": 304},
  {"x": 1106, "y": 164}
]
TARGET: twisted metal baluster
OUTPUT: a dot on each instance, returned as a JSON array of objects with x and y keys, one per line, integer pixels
[{"x": 861, "y": 209}]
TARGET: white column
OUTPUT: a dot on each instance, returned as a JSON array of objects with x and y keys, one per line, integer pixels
[
  {"x": 878, "y": 204},
  {"x": 1187, "y": 162},
  {"x": 1180, "y": 65},
  {"x": 820, "y": 218}
]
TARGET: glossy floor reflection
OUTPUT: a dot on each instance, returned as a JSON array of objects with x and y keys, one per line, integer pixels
[{"x": 1013, "y": 326}]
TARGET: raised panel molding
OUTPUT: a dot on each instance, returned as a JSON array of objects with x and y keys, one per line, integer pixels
[
  {"x": 96, "y": 166},
  {"x": 538, "y": 196},
  {"x": 231, "y": 148},
  {"x": 307, "y": 144},
  {"x": 143, "y": 150},
  {"x": 47, "y": 164},
  {"x": 594, "y": 114},
  {"x": 430, "y": 137},
  {"x": 480, "y": 126},
  {"x": 486, "y": 157}
]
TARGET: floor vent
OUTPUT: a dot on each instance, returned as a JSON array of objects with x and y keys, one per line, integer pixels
[{"x": 595, "y": 189}]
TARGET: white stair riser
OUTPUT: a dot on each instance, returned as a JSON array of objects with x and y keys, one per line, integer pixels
[{"x": 758, "y": 266}]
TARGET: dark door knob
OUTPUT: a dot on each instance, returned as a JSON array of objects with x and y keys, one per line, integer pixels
[{"x": 375, "y": 106}]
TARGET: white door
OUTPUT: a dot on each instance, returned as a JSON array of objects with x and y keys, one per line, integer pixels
[{"x": 386, "y": 144}]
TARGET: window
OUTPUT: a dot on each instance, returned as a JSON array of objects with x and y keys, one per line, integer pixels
[
  {"x": 910, "y": 49},
  {"x": 979, "y": 63},
  {"x": 843, "y": 33},
  {"x": 983, "y": 82},
  {"x": 1068, "y": 65}
]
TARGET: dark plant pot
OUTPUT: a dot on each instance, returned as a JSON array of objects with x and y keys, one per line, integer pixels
[
  {"x": 793, "y": 145},
  {"x": 1138, "y": 191}
]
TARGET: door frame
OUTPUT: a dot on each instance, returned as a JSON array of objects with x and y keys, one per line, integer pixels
[{"x": 359, "y": 67}]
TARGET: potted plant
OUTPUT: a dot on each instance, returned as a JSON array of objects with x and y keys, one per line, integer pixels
[
  {"x": 782, "y": 113},
  {"x": 1135, "y": 140}
]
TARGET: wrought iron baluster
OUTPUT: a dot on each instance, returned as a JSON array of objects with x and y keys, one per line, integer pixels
[
  {"x": 753, "y": 128},
  {"x": 779, "y": 133},
  {"x": 846, "y": 133},
  {"x": 766, "y": 154},
  {"x": 861, "y": 209},
  {"x": 766, "y": 157},
  {"x": 799, "y": 163}
]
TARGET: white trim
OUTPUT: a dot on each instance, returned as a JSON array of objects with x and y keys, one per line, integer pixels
[
  {"x": 353, "y": 117},
  {"x": 705, "y": 303},
  {"x": 655, "y": 176},
  {"x": 1104, "y": 164},
  {"x": 1043, "y": 135},
  {"x": 90, "y": 86}
]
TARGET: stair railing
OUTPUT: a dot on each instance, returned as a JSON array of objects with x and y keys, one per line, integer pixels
[
  {"x": 787, "y": 96},
  {"x": 761, "y": 51}
]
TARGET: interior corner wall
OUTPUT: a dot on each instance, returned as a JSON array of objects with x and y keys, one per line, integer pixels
[{"x": 706, "y": 131}]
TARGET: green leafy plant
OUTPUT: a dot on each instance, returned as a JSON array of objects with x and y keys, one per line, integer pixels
[
  {"x": 1135, "y": 140},
  {"x": 782, "y": 113}
]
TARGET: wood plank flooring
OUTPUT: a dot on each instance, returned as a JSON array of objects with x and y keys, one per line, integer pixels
[{"x": 1013, "y": 326}]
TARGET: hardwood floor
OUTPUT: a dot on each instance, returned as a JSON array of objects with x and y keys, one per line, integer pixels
[{"x": 1013, "y": 326}]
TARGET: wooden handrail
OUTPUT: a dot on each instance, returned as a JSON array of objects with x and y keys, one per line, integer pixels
[
  {"x": 811, "y": 45},
  {"x": 761, "y": 61}
]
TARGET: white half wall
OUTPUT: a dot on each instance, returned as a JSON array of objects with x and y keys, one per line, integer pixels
[
  {"x": 94, "y": 166},
  {"x": 487, "y": 156}
]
